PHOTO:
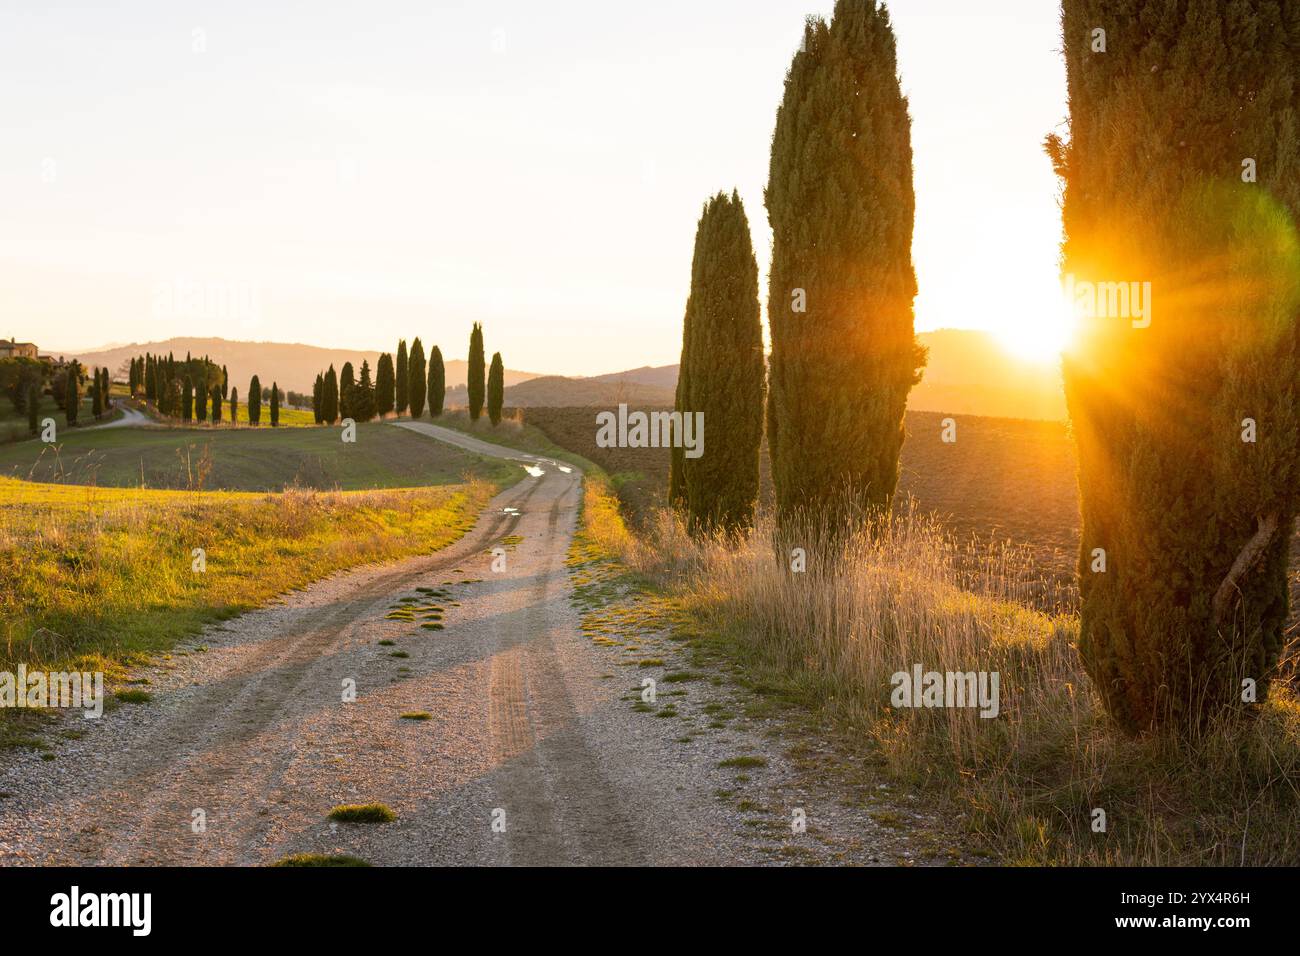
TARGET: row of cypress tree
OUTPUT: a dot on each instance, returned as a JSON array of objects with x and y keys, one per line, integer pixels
[
  {"x": 406, "y": 385},
  {"x": 843, "y": 353},
  {"x": 1182, "y": 168}
]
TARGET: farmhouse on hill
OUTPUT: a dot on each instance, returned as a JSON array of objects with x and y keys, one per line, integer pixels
[{"x": 12, "y": 349}]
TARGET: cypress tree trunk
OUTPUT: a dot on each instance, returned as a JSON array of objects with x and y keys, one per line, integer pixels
[
  {"x": 1181, "y": 172},
  {"x": 840, "y": 202},
  {"x": 437, "y": 382},
  {"x": 402, "y": 379},
  {"x": 496, "y": 389},
  {"x": 416, "y": 383},
  {"x": 722, "y": 374},
  {"x": 476, "y": 384}
]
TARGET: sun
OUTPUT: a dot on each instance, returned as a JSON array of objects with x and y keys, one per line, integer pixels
[{"x": 1041, "y": 336}]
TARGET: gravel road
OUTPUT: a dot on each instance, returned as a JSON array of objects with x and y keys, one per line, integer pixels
[{"x": 530, "y": 752}]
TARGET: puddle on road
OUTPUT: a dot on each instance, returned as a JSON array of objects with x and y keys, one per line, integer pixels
[
  {"x": 534, "y": 471},
  {"x": 564, "y": 468},
  {"x": 510, "y": 511}
]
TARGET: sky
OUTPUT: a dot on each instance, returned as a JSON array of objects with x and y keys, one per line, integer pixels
[{"x": 345, "y": 174}]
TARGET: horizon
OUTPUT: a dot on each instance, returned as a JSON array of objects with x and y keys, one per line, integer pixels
[{"x": 311, "y": 208}]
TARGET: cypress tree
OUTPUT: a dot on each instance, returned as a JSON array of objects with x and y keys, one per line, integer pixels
[
  {"x": 254, "y": 402},
  {"x": 187, "y": 400},
  {"x": 201, "y": 400},
  {"x": 225, "y": 382},
  {"x": 416, "y": 384},
  {"x": 216, "y": 404},
  {"x": 275, "y": 405},
  {"x": 840, "y": 202},
  {"x": 402, "y": 379},
  {"x": 96, "y": 397},
  {"x": 234, "y": 407},
  {"x": 34, "y": 408},
  {"x": 476, "y": 385},
  {"x": 362, "y": 400},
  {"x": 722, "y": 371},
  {"x": 72, "y": 395},
  {"x": 496, "y": 389},
  {"x": 384, "y": 384},
  {"x": 1180, "y": 172},
  {"x": 330, "y": 397},
  {"x": 106, "y": 393},
  {"x": 347, "y": 378},
  {"x": 437, "y": 382},
  {"x": 317, "y": 396}
]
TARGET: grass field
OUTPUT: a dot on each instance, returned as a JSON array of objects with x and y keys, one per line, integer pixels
[
  {"x": 248, "y": 459},
  {"x": 1005, "y": 484},
  {"x": 98, "y": 576}
]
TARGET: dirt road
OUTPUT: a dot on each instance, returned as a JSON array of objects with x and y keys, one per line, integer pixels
[{"x": 529, "y": 754}]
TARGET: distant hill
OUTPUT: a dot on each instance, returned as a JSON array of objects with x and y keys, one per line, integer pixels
[
  {"x": 658, "y": 376},
  {"x": 292, "y": 366},
  {"x": 969, "y": 373}
]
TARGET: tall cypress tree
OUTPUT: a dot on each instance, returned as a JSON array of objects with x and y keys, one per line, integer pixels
[
  {"x": 722, "y": 371},
  {"x": 254, "y": 402},
  {"x": 347, "y": 379},
  {"x": 1180, "y": 171},
  {"x": 415, "y": 374},
  {"x": 96, "y": 397},
  {"x": 840, "y": 202},
  {"x": 402, "y": 379},
  {"x": 34, "y": 408},
  {"x": 72, "y": 394},
  {"x": 330, "y": 397},
  {"x": 384, "y": 385},
  {"x": 476, "y": 383},
  {"x": 106, "y": 393},
  {"x": 437, "y": 382},
  {"x": 216, "y": 404},
  {"x": 275, "y": 405},
  {"x": 201, "y": 400},
  {"x": 234, "y": 407},
  {"x": 317, "y": 396},
  {"x": 187, "y": 400},
  {"x": 496, "y": 389}
]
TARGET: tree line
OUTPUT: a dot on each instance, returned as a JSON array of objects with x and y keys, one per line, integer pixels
[
  {"x": 1188, "y": 432},
  {"x": 196, "y": 389},
  {"x": 408, "y": 385}
]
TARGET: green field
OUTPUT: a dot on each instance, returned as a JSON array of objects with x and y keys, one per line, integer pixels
[{"x": 248, "y": 459}]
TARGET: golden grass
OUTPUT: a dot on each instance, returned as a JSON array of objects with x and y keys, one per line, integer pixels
[
  {"x": 109, "y": 573},
  {"x": 1024, "y": 784}
]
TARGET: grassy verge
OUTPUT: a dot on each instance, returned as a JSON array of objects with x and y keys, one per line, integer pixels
[
  {"x": 1027, "y": 784},
  {"x": 101, "y": 577}
]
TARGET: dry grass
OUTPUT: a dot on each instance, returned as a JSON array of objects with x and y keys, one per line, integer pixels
[{"x": 1027, "y": 782}]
